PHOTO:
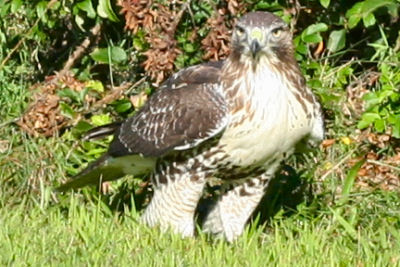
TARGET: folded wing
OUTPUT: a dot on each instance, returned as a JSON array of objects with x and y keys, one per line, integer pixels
[{"x": 188, "y": 109}]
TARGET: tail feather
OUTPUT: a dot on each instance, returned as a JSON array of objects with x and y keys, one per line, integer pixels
[
  {"x": 96, "y": 173},
  {"x": 102, "y": 131},
  {"x": 108, "y": 168}
]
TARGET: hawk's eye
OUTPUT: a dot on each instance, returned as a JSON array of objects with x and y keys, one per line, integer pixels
[
  {"x": 239, "y": 31},
  {"x": 277, "y": 32}
]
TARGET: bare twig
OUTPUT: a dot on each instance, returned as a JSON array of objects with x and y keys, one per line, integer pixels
[
  {"x": 117, "y": 92},
  {"x": 136, "y": 84},
  {"x": 180, "y": 14},
  {"x": 79, "y": 51},
  {"x": 383, "y": 164},
  {"x": 337, "y": 165},
  {"x": 8, "y": 122}
]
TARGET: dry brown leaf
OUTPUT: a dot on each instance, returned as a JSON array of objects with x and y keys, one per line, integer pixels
[{"x": 216, "y": 43}]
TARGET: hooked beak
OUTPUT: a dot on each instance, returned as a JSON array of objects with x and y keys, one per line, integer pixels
[
  {"x": 255, "y": 47},
  {"x": 256, "y": 40}
]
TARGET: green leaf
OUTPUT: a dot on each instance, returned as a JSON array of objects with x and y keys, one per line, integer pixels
[
  {"x": 95, "y": 85},
  {"x": 138, "y": 43},
  {"x": 353, "y": 14},
  {"x": 395, "y": 123},
  {"x": 312, "y": 33},
  {"x": 82, "y": 95},
  {"x": 105, "y": 10},
  {"x": 325, "y": 3},
  {"x": 82, "y": 127},
  {"x": 122, "y": 105},
  {"x": 363, "y": 10},
  {"x": 4, "y": 9},
  {"x": 337, "y": 40},
  {"x": 87, "y": 7},
  {"x": 101, "y": 119},
  {"x": 96, "y": 151},
  {"x": 369, "y": 20},
  {"x": 380, "y": 125},
  {"x": 367, "y": 119},
  {"x": 300, "y": 46},
  {"x": 349, "y": 181},
  {"x": 312, "y": 38},
  {"x": 15, "y": 5},
  {"x": 113, "y": 54},
  {"x": 189, "y": 48},
  {"x": 79, "y": 21},
  {"x": 41, "y": 9},
  {"x": 370, "y": 6},
  {"x": 67, "y": 110},
  {"x": 68, "y": 93},
  {"x": 314, "y": 28}
]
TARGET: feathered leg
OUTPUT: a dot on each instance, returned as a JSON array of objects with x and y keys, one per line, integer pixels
[
  {"x": 176, "y": 194},
  {"x": 230, "y": 214}
]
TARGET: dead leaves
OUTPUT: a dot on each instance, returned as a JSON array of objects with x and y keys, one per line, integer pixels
[
  {"x": 43, "y": 116},
  {"x": 216, "y": 43},
  {"x": 354, "y": 106},
  {"x": 236, "y": 7},
  {"x": 380, "y": 170},
  {"x": 159, "y": 24},
  {"x": 160, "y": 58},
  {"x": 137, "y": 14}
]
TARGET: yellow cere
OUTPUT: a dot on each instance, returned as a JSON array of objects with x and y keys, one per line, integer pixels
[{"x": 257, "y": 34}]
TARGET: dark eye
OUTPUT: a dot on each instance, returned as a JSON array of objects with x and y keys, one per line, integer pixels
[
  {"x": 277, "y": 32},
  {"x": 239, "y": 31}
]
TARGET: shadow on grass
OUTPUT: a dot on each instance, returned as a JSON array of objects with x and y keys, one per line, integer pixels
[{"x": 285, "y": 191}]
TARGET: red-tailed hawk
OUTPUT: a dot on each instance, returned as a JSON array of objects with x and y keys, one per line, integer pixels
[{"x": 235, "y": 120}]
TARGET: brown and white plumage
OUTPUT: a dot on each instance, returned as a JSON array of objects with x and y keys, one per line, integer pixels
[{"x": 235, "y": 120}]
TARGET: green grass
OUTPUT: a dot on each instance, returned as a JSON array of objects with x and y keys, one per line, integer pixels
[{"x": 40, "y": 234}]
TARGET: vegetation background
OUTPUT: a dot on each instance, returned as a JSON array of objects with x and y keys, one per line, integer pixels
[{"x": 67, "y": 66}]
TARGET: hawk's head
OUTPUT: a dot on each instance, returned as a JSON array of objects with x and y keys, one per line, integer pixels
[{"x": 262, "y": 34}]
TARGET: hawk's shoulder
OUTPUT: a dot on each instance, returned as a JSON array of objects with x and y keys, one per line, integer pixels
[
  {"x": 186, "y": 110},
  {"x": 206, "y": 73}
]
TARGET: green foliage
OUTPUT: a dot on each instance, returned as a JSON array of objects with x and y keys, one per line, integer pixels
[
  {"x": 105, "y": 10},
  {"x": 110, "y": 55},
  {"x": 101, "y": 119},
  {"x": 325, "y": 3},
  {"x": 365, "y": 10},
  {"x": 383, "y": 104},
  {"x": 337, "y": 40}
]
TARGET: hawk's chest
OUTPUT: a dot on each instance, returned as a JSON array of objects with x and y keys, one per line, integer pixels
[{"x": 266, "y": 121}]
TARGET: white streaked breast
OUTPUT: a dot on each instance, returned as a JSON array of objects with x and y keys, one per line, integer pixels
[{"x": 275, "y": 128}]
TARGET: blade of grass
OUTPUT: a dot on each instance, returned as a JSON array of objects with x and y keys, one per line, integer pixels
[{"x": 349, "y": 182}]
